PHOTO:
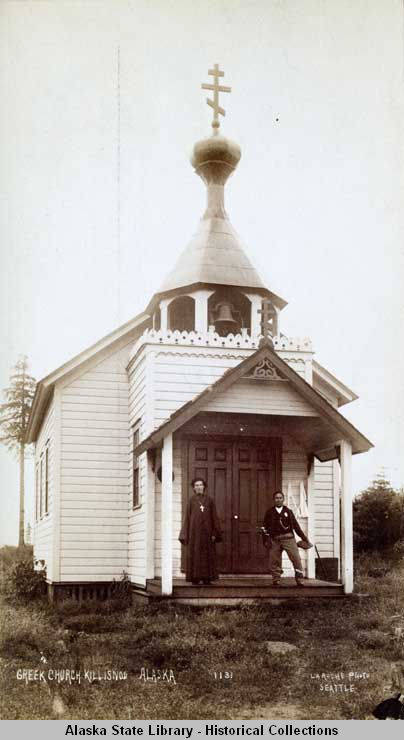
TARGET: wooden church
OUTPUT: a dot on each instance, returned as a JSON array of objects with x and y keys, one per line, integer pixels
[{"x": 204, "y": 382}]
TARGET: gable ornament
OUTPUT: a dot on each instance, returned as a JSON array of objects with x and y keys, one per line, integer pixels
[{"x": 264, "y": 370}]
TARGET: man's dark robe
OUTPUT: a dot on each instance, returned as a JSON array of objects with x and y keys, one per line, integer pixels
[{"x": 200, "y": 525}]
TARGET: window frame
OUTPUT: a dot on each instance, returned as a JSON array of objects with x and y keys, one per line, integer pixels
[
  {"x": 46, "y": 502},
  {"x": 41, "y": 486},
  {"x": 37, "y": 491},
  {"x": 136, "y": 503}
]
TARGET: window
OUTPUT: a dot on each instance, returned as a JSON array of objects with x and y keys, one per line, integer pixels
[
  {"x": 36, "y": 492},
  {"x": 135, "y": 490},
  {"x": 41, "y": 487},
  {"x": 46, "y": 508}
]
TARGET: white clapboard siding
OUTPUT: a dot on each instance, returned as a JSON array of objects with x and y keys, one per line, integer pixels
[
  {"x": 71, "y": 497},
  {"x": 261, "y": 397},
  {"x": 93, "y": 517},
  {"x": 294, "y": 470},
  {"x": 178, "y": 376},
  {"x": 137, "y": 516},
  {"x": 84, "y": 467},
  {"x": 93, "y": 537},
  {"x": 177, "y": 383},
  {"x": 85, "y": 470},
  {"x": 102, "y": 505},
  {"x": 100, "y": 410},
  {"x": 42, "y": 530},
  {"x": 92, "y": 488},
  {"x": 89, "y": 573},
  {"x": 94, "y": 472},
  {"x": 93, "y": 437},
  {"x": 324, "y": 508},
  {"x": 97, "y": 548},
  {"x": 111, "y": 454},
  {"x": 99, "y": 381},
  {"x": 95, "y": 529},
  {"x": 90, "y": 395},
  {"x": 85, "y": 423}
]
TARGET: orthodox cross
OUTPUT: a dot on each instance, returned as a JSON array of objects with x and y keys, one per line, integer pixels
[
  {"x": 269, "y": 326},
  {"x": 216, "y": 73},
  {"x": 202, "y": 508}
]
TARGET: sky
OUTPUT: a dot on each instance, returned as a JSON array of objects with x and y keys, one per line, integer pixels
[{"x": 102, "y": 105}]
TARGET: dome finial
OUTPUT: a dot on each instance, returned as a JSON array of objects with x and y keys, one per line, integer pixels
[{"x": 216, "y": 73}]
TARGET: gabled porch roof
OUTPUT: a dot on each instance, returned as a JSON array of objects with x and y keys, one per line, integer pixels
[{"x": 326, "y": 428}]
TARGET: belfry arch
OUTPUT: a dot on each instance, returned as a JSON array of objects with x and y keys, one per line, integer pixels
[
  {"x": 229, "y": 311},
  {"x": 181, "y": 314}
]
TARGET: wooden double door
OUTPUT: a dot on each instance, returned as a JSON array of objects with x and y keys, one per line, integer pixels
[{"x": 242, "y": 475}]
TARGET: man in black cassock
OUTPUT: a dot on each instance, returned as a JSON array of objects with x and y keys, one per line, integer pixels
[{"x": 200, "y": 531}]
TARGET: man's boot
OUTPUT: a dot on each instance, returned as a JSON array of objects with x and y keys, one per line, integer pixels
[{"x": 299, "y": 578}]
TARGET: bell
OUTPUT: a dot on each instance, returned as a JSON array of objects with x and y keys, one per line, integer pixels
[
  {"x": 223, "y": 314},
  {"x": 224, "y": 320}
]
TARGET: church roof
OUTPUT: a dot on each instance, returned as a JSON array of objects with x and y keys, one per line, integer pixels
[
  {"x": 215, "y": 255},
  {"x": 121, "y": 336},
  {"x": 325, "y": 378},
  {"x": 327, "y": 430}
]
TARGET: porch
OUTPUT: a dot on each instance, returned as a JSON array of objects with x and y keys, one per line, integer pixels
[
  {"x": 230, "y": 590},
  {"x": 242, "y": 470},
  {"x": 258, "y": 428}
]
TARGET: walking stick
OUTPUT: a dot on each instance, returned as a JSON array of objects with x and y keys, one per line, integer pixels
[{"x": 325, "y": 574}]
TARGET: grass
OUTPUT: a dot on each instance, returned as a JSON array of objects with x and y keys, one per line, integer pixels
[{"x": 353, "y": 635}]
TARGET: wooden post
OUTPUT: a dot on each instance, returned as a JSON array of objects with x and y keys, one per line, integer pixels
[
  {"x": 167, "y": 516},
  {"x": 346, "y": 517},
  {"x": 336, "y": 510},
  {"x": 311, "y": 492},
  {"x": 255, "y": 315},
  {"x": 201, "y": 298},
  {"x": 164, "y": 313}
]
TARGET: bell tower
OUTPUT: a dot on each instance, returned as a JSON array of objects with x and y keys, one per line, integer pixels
[{"x": 213, "y": 287}]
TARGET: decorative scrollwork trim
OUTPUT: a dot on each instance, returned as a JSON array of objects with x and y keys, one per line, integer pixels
[{"x": 264, "y": 370}]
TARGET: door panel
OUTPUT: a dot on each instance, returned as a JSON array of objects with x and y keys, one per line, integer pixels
[
  {"x": 254, "y": 481},
  {"x": 217, "y": 472},
  {"x": 242, "y": 476}
]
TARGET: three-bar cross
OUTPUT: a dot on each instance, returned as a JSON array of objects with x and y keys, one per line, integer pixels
[{"x": 216, "y": 73}]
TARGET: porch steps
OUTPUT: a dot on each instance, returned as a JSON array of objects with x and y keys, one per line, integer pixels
[{"x": 244, "y": 589}]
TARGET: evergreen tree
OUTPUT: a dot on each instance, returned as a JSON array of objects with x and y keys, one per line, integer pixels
[
  {"x": 28, "y": 534},
  {"x": 14, "y": 415},
  {"x": 377, "y": 516}
]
